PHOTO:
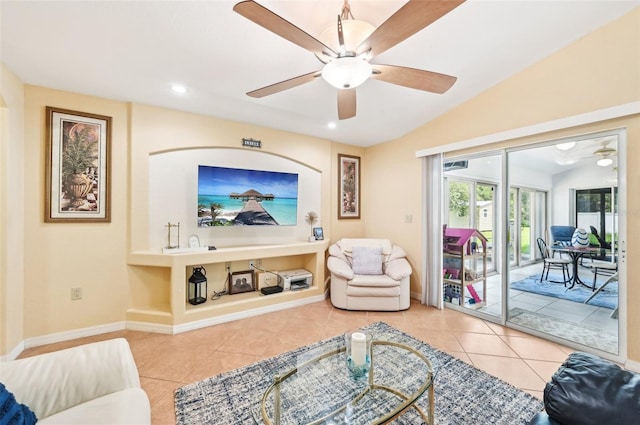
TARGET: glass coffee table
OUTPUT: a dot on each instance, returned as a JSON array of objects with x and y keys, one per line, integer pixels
[{"x": 321, "y": 390}]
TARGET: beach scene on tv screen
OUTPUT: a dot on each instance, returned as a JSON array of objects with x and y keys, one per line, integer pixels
[{"x": 239, "y": 197}]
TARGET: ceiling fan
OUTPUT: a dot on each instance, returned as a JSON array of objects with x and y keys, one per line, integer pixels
[
  {"x": 583, "y": 150},
  {"x": 347, "y": 63},
  {"x": 605, "y": 153}
]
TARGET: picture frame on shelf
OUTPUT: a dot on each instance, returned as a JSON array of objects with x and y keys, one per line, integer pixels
[
  {"x": 240, "y": 282},
  {"x": 349, "y": 190},
  {"x": 78, "y": 167},
  {"x": 318, "y": 233}
]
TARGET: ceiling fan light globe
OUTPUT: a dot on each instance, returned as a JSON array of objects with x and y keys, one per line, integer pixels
[
  {"x": 354, "y": 33},
  {"x": 346, "y": 72},
  {"x": 604, "y": 162}
]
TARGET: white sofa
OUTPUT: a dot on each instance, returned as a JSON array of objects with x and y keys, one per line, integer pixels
[
  {"x": 95, "y": 383},
  {"x": 369, "y": 274}
]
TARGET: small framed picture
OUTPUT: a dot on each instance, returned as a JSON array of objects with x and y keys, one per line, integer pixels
[
  {"x": 349, "y": 189},
  {"x": 241, "y": 282},
  {"x": 318, "y": 233}
]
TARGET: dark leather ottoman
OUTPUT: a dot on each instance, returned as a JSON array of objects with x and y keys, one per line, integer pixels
[{"x": 589, "y": 390}]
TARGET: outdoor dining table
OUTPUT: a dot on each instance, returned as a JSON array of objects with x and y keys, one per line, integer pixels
[{"x": 576, "y": 253}]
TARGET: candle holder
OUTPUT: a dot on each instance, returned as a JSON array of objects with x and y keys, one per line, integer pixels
[{"x": 358, "y": 350}]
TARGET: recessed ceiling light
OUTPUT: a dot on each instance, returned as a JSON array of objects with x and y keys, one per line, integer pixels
[
  {"x": 331, "y": 124},
  {"x": 179, "y": 88},
  {"x": 565, "y": 146}
]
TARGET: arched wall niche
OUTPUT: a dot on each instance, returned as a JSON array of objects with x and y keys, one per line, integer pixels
[
  {"x": 173, "y": 187},
  {"x": 238, "y": 151}
]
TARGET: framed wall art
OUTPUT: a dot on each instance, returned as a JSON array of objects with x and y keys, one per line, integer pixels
[
  {"x": 349, "y": 190},
  {"x": 77, "y": 179},
  {"x": 241, "y": 282}
]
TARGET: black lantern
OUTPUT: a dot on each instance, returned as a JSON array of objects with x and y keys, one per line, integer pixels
[{"x": 198, "y": 286}]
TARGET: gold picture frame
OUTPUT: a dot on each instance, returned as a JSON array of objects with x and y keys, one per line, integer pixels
[
  {"x": 349, "y": 186},
  {"x": 78, "y": 167}
]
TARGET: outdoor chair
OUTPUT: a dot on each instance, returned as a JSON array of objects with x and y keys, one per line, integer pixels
[
  {"x": 560, "y": 236},
  {"x": 603, "y": 243},
  {"x": 604, "y": 268},
  {"x": 553, "y": 263},
  {"x": 612, "y": 278}
]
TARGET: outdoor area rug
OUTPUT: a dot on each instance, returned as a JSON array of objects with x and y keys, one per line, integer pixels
[
  {"x": 607, "y": 298},
  {"x": 602, "y": 339},
  {"x": 464, "y": 395}
]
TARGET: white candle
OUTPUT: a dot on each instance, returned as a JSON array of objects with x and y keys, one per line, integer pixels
[{"x": 358, "y": 348}]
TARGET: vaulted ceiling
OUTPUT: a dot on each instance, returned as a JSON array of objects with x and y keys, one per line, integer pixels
[{"x": 135, "y": 51}]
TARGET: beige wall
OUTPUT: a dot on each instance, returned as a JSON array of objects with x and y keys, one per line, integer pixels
[
  {"x": 59, "y": 256},
  {"x": 11, "y": 211},
  {"x": 599, "y": 71}
]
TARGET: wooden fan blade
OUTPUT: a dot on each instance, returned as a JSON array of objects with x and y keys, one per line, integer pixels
[
  {"x": 413, "y": 78},
  {"x": 284, "y": 85},
  {"x": 278, "y": 25},
  {"x": 346, "y": 103},
  {"x": 408, "y": 20}
]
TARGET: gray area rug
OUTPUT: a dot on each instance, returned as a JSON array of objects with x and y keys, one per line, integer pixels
[
  {"x": 602, "y": 339},
  {"x": 464, "y": 395}
]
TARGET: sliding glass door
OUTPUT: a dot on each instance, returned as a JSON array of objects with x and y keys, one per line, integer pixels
[
  {"x": 549, "y": 184},
  {"x": 473, "y": 206}
]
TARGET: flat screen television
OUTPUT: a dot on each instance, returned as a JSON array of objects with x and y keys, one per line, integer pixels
[{"x": 240, "y": 197}]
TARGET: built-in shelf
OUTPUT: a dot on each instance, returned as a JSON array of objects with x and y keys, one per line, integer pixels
[{"x": 175, "y": 312}]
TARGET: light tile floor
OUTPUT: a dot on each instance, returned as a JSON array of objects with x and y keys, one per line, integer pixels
[{"x": 166, "y": 362}]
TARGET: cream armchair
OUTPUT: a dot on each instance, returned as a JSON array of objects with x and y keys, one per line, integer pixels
[{"x": 369, "y": 274}]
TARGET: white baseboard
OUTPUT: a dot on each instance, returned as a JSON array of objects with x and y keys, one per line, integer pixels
[
  {"x": 153, "y": 327},
  {"x": 150, "y": 327},
  {"x": 74, "y": 334},
  {"x": 245, "y": 314}
]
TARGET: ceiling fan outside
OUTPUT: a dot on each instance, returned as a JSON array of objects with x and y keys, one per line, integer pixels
[
  {"x": 570, "y": 152},
  {"x": 346, "y": 66},
  {"x": 605, "y": 153}
]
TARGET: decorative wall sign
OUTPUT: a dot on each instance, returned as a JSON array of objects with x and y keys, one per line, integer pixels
[
  {"x": 251, "y": 143},
  {"x": 77, "y": 179},
  {"x": 349, "y": 190}
]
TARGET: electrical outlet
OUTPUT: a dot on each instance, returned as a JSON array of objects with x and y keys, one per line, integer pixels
[
  {"x": 227, "y": 267},
  {"x": 252, "y": 264},
  {"x": 76, "y": 293}
]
